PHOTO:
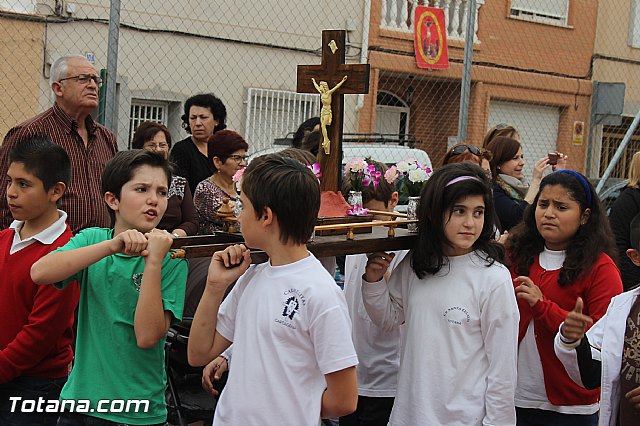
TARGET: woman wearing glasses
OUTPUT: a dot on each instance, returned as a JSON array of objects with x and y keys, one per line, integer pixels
[
  {"x": 227, "y": 152},
  {"x": 180, "y": 217}
]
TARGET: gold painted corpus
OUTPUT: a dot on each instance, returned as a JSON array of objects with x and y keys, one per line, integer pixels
[
  {"x": 325, "y": 112},
  {"x": 333, "y": 46}
]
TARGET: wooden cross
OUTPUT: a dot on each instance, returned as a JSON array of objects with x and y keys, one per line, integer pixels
[{"x": 332, "y": 70}]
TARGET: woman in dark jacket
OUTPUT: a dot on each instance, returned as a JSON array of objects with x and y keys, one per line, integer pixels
[
  {"x": 512, "y": 193},
  {"x": 625, "y": 208}
]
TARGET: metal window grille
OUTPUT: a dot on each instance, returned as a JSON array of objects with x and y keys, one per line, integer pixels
[
  {"x": 144, "y": 110},
  {"x": 274, "y": 114}
]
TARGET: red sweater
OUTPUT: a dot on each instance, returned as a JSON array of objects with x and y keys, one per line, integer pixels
[
  {"x": 596, "y": 289},
  {"x": 35, "y": 320}
]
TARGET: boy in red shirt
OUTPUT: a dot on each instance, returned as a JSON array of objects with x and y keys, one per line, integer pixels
[{"x": 36, "y": 332}]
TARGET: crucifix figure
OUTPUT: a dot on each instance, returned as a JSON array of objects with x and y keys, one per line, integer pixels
[
  {"x": 345, "y": 79},
  {"x": 326, "y": 113}
]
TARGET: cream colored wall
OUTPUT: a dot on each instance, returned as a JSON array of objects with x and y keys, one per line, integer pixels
[
  {"x": 283, "y": 23},
  {"x": 20, "y": 67}
]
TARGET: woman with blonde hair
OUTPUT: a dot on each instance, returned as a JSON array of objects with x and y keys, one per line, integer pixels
[{"x": 624, "y": 209}]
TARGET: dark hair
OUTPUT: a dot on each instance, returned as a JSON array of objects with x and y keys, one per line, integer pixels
[
  {"x": 43, "y": 159},
  {"x": 206, "y": 100},
  {"x": 146, "y": 131},
  {"x": 223, "y": 144},
  {"x": 289, "y": 189},
  {"x": 121, "y": 168},
  {"x": 306, "y": 127},
  {"x": 498, "y": 130},
  {"x": 634, "y": 232},
  {"x": 591, "y": 239},
  {"x": 467, "y": 155},
  {"x": 382, "y": 192},
  {"x": 303, "y": 156},
  {"x": 503, "y": 149},
  {"x": 434, "y": 210},
  {"x": 311, "y": 142}
]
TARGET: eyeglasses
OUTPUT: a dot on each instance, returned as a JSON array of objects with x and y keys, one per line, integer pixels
[
  {"x": 84, "y": 79},
  {"x": 239, "y": 158},
  {"x": 161, "y": 145},
  {"x": 459, "y": 149}
]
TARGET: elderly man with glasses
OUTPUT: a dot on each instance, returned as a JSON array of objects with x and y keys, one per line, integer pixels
[{"x": 68, "y": 123}]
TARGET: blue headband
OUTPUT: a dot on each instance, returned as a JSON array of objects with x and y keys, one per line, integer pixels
[{"x": 583, "y": 182}]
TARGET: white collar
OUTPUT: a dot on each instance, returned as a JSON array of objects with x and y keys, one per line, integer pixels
[{"x": 46, "y": 236}]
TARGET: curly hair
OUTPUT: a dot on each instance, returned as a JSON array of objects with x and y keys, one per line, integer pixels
[
  {"x": 434, "y": 210},
  {"x": 206, "y": 100},
  {"x": 587, "y": 244}
]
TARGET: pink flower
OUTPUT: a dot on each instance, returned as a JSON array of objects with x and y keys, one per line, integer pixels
[
  {"x": 315, "y": 168},
  {"x": 358, "y": 211},
  {"x": 391, "y": 174},
  {"x": 236, "y": 177}
]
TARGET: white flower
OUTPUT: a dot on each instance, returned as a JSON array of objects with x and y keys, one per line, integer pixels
[
  {"x": 418, "y": 175},
  {"x": 403, "y": 166},
  {"x": 413, "y": 165}
]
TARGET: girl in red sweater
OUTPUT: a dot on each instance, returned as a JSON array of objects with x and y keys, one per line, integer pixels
[{"x": 559, "y": 252}]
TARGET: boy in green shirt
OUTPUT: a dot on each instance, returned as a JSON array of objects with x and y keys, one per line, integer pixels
[{"x": 131, "y": 290}]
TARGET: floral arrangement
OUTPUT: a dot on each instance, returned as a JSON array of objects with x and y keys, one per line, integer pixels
[
  {"x": 360, "y": 174},
  {"x": 237, "y": 177},
  {"x": 408, "y": 176}
]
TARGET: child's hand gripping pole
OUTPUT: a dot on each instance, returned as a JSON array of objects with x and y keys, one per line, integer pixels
[
  {"x": 227, "y": 266},
  {"x": 377, "y": 265}
]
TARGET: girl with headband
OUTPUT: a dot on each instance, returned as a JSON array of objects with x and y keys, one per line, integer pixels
[
  {"x": 458, "y": 356},
  {"x": 561, "y": 251}
]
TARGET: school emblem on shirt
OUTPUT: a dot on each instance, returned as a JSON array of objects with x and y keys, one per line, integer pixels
[
  {"x": 136, "y": 280},
  {"x": 457, "y": 315},
  {"x": 292, "y": 302},
  {"x": 291, "y": 306}
]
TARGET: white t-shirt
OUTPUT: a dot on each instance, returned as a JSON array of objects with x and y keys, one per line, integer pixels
[
  {"x": 289, "y": 326},
  {"x": 531, "y": 391},
  {"x": 378, "y": 350},
  {"x": 458, "y": 362}
]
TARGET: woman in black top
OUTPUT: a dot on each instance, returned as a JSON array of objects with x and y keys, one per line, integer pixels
[{"x": 204, "y": 114}]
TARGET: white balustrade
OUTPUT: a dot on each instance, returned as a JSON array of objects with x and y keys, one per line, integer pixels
[{"x": 398, "y": 15}]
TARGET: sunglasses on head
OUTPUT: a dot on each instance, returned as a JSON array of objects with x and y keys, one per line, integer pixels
[{"x": 459, "y": 149}]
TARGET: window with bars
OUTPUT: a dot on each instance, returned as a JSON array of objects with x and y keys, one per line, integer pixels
[
  {"x": 612, "y": 137},
  {"x": 275, "y": 114},
  {"x": 545, "y": 11},
  {"x": 145, "y": 110}
]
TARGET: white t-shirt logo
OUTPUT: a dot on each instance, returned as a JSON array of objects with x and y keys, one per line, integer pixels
[{"x": 291, "y": 306}]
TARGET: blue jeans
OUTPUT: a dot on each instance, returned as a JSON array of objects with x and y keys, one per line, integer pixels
[
  {"x": 75, "y": 419},
  {"x": 534, "y": 417},
  {"x": 29, "y": 389}
]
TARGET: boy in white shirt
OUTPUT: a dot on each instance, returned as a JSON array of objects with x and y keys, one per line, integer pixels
[{"x": 294, "y": 361}]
